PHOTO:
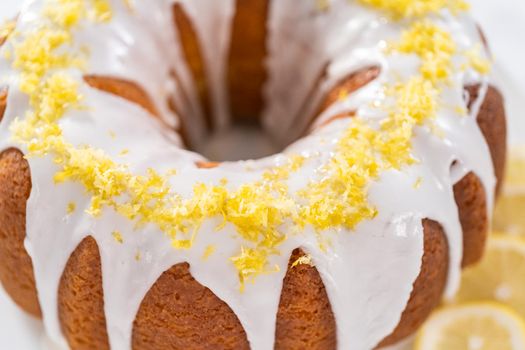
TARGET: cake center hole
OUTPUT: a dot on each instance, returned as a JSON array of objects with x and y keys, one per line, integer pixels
[{"x": 239, "y": 141}]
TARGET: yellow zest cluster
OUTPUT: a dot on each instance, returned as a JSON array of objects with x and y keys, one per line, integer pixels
[
  {"x": 210, "y": 249},
  {"x": 117, "y": 236},
  {"x": 476, "y": 61},
  {"x": 433, "y": 45},
  {"x": 251, "y": 263},
  {"x": 362, "y": 153},
  {"x": 37, "y": 55},
  {"x": 71, "y": 207},
  {"x": 416, "y": 103},
  {"x": 101, "y": 10},
  {"x": 340, "y": 199},
  {"x": 400, "y": 9},
  {"x": 66, "y": 13}
]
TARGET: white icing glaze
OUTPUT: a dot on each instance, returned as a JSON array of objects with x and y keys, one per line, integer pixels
[{"x": 368, "y": 273}]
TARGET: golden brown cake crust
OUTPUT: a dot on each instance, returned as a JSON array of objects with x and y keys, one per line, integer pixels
[
  {"x": 246, "y": 73},
  {"x": 81, "y": 301},
  {"x": 16, "y": 269},
  {"x": 348, "y": 85},
  {"x": 126, "y": 89},
  {"x": 180, "y": 313},
  {"x": 193, "y": 56},
  {"x": 304, "y": 319},
  {"x": 337, "y": 117},
  {"x": 492, "y": 122},
  {"x": 345, "y": 87},
  {"x": 3, "y": 102},
  {"x": 207, "y": 165},
  {"x": 249, "y": 26},
  {"x": 472, "y": 206},
  {"x": 469, "y": 193}
]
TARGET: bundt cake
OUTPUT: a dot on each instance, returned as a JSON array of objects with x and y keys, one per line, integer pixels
[{"x": 119, "y": 234}]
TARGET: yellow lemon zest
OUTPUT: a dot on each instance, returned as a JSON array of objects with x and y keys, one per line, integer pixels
[
  {"x": 251, "y": 263},
  {"x": 117, "y": 236},
  {"x": 71, "y": 207},
  {"x": 433, "y": 45},
  {"x": 303, "y": 260},
  {"x": 210, "y": 249},
  {"x": 400, "y": 9}
]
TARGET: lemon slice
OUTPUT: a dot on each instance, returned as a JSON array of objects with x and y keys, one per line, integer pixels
[
  {"x": 515, "y": 176},
  {"x": 479, "y": 326},
  {"x": 500, "y": 276},
  {"x": 508, "y": 216}
]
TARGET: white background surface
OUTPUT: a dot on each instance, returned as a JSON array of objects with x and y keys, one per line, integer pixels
[{"x": 504, "y": 24}]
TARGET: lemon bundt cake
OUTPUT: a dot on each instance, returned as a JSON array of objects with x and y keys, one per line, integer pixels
[{"x": 120, "y": 234}]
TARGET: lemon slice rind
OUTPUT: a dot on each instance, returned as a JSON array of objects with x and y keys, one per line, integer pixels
[{"x": 434, "y": 330}]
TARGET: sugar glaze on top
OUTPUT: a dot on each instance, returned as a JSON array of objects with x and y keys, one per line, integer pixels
[{"x": 368, "y": 273}]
